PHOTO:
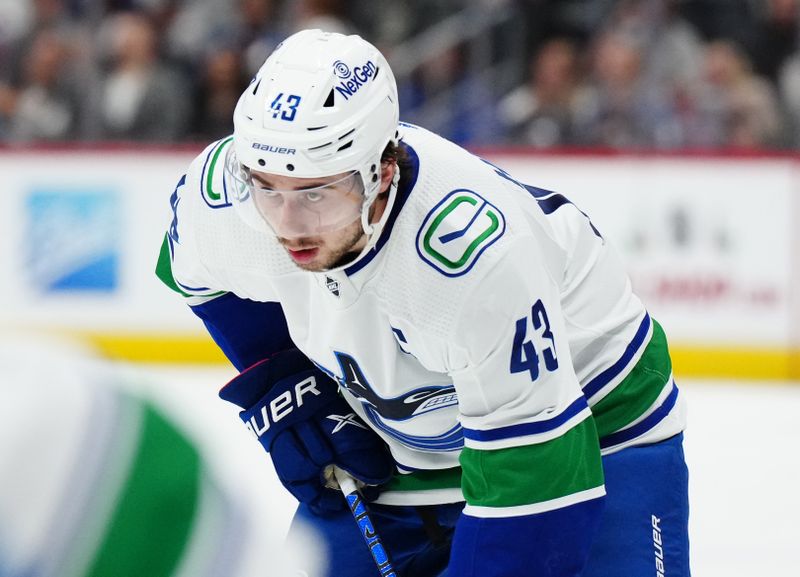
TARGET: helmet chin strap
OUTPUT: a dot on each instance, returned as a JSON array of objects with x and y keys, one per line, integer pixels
[{"x": 373, "y": 230}]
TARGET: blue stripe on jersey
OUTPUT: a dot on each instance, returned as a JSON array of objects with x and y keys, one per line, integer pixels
[
  {"x": 452, "y": 440},
  {"x": 548, "y": 200},
  {"x": 592, "y": 387},
  {"x": 192, "y": 289},
  {"x": 645, "y": 424},
  {"x": 402, "y": 195},
  {"x": 523, "y": 429},
  {"x": 409, "y": 469},
  {"x": 172, "y": 233},
  {"x": 406, "y": 468}
]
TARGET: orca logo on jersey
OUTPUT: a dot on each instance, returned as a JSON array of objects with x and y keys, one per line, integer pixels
[
  {"x": 408, "y": 405},
  {"x": 457, "y": 231}
]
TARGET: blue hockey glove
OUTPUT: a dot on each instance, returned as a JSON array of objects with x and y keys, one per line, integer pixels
[{"x": 297, "y": 414}]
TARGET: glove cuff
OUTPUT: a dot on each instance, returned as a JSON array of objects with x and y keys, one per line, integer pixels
[{"x": 251, "y": 384}]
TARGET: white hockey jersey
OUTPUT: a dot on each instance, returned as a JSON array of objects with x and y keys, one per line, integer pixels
[
  {"x": 98, "y": 476},
  {"x": 491, "y": 329}
]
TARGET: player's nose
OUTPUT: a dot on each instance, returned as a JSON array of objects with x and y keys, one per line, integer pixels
[{"x": 295, "y": 221}]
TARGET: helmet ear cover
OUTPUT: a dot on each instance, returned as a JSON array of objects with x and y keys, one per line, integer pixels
[{"x": 322, "y": 104}]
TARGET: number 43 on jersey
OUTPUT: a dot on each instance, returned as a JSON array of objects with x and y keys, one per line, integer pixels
[{"x": 524, "y": 353}]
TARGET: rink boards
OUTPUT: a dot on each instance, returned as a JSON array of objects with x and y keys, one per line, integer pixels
[{"x": 710, "y": 241}]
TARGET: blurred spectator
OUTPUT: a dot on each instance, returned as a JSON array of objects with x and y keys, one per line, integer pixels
[
  {"x": 788, "y": 86},
  {"x": 624, "y": 110},
  {"x": 8, "y": 101},
  {"x": 259, "y": 32},
  {"x": 45, "y": 106},
  {"x": 671, "y": 49},
  {"x": 776, "y": 37},
  {"x": 41, "y": 15},
  {"x": 450, "y": 98},
  {"x": 168, "y": 68},
  {"x": 733, "y": 106},
  {"x": 142, "y": 99},
  {"x": 722, "y": 19},
  {"x": 222, "y": 81},
  {"x": 328, "y": 15},
  {"x": 14, "y": 16},
  {"x": 252, "y": 27},
  {"x": 541, "y": 113},
  {"x": 387, "y": 24},
  {"x": 575, "y": 19},
  {"x": 194, "y": 27}
]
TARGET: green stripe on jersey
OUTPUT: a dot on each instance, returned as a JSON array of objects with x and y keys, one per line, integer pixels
[
  {"x": 426, "y": 480},
  {"x": 164, "y": 271},
  {"x": 164, "y": 268},
  {"x": 638, "y": 390},
  {"x": 533, "y": 473},
  {"x": 156, "y": 509}
]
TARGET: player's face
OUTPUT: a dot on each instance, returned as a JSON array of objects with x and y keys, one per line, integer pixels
[
  {"x": 326, "y": 251},
  {"x": 298, "y": 207},
  {"x": 317, "y": 220}
]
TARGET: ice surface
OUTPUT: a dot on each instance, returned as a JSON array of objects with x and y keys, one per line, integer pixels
[{"x": 742, "y": 446}]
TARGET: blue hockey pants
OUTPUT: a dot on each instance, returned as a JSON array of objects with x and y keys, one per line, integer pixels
[{"x": 643, "y": 532}]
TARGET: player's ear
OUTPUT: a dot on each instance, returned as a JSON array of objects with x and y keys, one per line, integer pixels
[{"x": 387, "y": 174}]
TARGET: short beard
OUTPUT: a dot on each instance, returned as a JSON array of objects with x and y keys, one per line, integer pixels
[
  {"x": 351, "y": 247},
  {"x": 350, "y": 250},
  {"x": 348, "y": 254}
]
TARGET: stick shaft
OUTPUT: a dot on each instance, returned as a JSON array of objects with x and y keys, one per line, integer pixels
[{"x": 362, "y": 517}]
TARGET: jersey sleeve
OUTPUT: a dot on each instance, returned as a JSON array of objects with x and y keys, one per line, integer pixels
[
  {"x": 246, "y": 331},
  {"x": 532, "y": 473},
  {"x": 179, "y": 265}
]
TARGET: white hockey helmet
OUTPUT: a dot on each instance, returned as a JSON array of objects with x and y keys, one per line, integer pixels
[{"x": 322, "y": 104}]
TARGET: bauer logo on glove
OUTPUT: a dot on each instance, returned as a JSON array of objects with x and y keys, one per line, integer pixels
[
  {"x": 298, "y": 416},
  {"x": 281, "y": 406}
]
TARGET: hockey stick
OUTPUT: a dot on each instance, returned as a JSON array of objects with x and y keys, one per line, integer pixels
[{"x": 361, "y": 514}]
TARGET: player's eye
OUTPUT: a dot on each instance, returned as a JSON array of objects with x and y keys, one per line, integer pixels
[
  {"x": 269, "y": 194},
  {"x": 314, "y": 195}
]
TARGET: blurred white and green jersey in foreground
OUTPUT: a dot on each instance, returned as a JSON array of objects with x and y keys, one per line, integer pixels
[{"x": 99, "y": 480}]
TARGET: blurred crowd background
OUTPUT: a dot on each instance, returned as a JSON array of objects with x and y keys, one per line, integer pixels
[{"x": 615, "y": 74}]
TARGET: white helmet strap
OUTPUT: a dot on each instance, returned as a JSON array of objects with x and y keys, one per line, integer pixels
[{"x": 373, "y": 230}]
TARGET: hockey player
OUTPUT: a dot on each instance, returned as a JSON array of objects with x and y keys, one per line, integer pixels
[{"x": 465, "y": 345}]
